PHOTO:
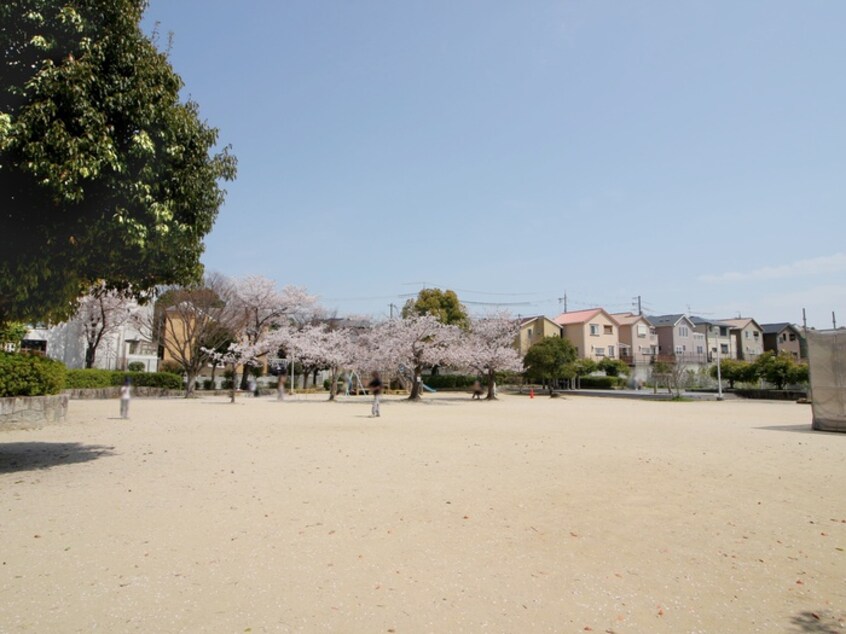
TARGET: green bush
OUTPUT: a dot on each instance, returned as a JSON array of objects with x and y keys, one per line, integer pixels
[
  {"x": 447, "y": 381},
  {"x": 208, "y": 384},
  {"x": 136, "y": 366},
  {"x": 601, "y": 382},
  {"x": 30, "y": 375},
  {"x": 95, "y": 378}
]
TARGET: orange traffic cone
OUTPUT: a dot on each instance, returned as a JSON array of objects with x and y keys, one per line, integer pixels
[{"x": 531, "y": 392}]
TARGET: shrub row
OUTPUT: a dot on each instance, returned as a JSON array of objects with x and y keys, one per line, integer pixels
[
  {"x": 30, "y": 375},
  {"x": 446, "y": 381},
  {"x": 94, "y": 378},
  {"x": 601, "y": 382}
]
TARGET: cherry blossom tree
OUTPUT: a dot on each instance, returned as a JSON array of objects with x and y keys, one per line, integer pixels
[
  {"x": 318, "y": 346},
  {"x": 488, "y": 347},
  {"x": 239, "y": 353},
  {"x": 262, "y": 308},
  {"x": 101, "y": 313},
  {"x": 410, "y": 345}
]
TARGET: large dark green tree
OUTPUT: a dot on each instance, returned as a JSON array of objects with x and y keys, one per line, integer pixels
[
  {"x": 551, "y": 360},
  {"x": 105, "y": 174},
  {"x": 443, "y": 305}
]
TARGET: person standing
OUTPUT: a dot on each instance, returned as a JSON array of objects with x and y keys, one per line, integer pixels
[
  {"x": 125, "y": 395},
  {"x": 280, "y": 387},
  {"x": 375, "y": 386}
]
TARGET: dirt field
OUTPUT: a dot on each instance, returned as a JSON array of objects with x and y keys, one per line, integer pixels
[{"x": 523, "y": 515}]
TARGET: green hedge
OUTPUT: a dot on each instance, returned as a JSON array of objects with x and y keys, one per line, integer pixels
[
  {"x": 446, "y": 381},
  {"x": 30, "y": 375},
  {"x": 601, "y": 382},
  {"x": 94, "y": 378}
]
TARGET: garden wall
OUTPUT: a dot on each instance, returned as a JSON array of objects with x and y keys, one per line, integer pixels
[{"x": 29, "y": 412}]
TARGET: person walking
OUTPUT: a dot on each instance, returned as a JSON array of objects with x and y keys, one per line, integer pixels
[
  {"x": 375, "y": 386},
  {"x": 125, "y": 395}
]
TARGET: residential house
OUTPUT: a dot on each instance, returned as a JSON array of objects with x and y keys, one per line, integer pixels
[
  {"x": 594, "y": 332},
  {"x": 533, "y": 330},
  {"x": 749, "y": 337},
  {"x": 720, "y": 342},
  {"x": 678, "y": 340},
  {"x": 783, "y": 337},
  {"x": 66, "y": 342},
  {"x": 638, "y": 338}
]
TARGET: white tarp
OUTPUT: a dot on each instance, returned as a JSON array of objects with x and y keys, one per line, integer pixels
[{"x": 827, "y": 359}]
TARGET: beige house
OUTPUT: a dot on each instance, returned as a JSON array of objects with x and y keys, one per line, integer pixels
[
  {"x": 638, "y": 339},
  {"x": 749, "y": 337},
  {"x": 533, "y": 330},
  {"x": 594, "y": 332}
]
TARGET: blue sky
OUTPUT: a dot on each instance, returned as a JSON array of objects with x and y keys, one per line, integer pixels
[{"x": 692, "y": 153}]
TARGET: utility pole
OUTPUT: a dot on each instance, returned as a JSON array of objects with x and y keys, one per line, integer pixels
[
  {"x": 833, "y": 320},
  {"x": 392, "y": 306},
  {"x": 804, "y": 321},
  {"x": 639, "y": 305},
  {"x": 563, "y": 299}
]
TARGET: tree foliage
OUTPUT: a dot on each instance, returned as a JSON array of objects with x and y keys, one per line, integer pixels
[
  {"x": 443, "y": 305},
  {"x": 613, "y": 367},
  {"x": 735, "y": 371},
  {"x": 104, "y": 172},
  {"x": 488, "y": 347},
  {"x": 780, "y": 369},
  {"x": 550, "y": 360}
]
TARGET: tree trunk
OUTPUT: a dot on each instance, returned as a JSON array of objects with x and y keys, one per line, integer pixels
[
  {"x": 234, "y": 383},
  {"x": 491, "y": 386},
  {"x": 90, "y": 353},
  {"x": 191, "y": 381},
  {"x": 416, "y": 382},
  {"x": 333, "y": 384}
]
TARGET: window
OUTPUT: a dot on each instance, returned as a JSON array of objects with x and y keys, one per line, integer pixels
[
  {"x": 724, "y": 348},
  {"x": 683, "y": 332},
  {"x": 792, "y": 337},
  {"x": 783, "y": 337},
  {"x": 594, "y": 330},
  {"x": 611, "y": 351},
  {"x": 747, "y": 334},
  {"x": 529, "y": 332},
  {"x": 679, "y": 349},
  {"x": 608, "y": 330},
  {"x": 755, "y": 334},
  {"x": 641, "y": 330},
  {"x": 599, "y": 352},
  {"x": 700, "y": 350}
]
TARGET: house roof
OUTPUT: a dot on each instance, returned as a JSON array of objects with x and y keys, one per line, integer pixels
[
  {"x": 742, "y": 322},
  {"x": 667, "y": 320},
  {"x": 627, "y": 319},
  {"x": 527, "y": 320},
  {"x": 701, "y": 321},
  {"x": 578, "y": 316},
  {"x": 774, "y": 329}
]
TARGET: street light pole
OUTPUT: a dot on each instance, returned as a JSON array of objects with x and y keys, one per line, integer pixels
[{"x": 719, "y": 370}]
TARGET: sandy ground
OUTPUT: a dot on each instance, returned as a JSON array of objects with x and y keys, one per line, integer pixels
[{"x": 542, "y": 515}]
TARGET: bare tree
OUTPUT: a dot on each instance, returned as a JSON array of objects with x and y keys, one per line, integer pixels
[{"x": 188, "y": 321}]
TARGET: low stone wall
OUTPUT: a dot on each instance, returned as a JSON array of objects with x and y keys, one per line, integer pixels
[
  {"x": 774, "y": 395},
  {"x": 114, "y": 392},
  {"x": 29, "y": 412}
]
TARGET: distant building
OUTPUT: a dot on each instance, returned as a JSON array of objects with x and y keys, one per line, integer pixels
[
  {"x": 535, "y": 329},
  {"x": 678, "y": 340},
  {"x": 638, "y": 338},
  {"x": 783, "y": 337},
  {"x": 720, "y": 341},
  {"x": 749, "y": 337},
  {"x": 594, "y": 332}
]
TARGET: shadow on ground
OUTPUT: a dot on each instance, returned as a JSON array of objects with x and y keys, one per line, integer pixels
[
  {"x": 821, "y": 622},
  {"x": 30, "y": 456},
  {"x": 801, "y": 429}
]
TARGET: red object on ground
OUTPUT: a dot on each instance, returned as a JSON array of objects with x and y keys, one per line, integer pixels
[{"x": 531, "y": 392}]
